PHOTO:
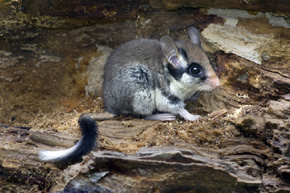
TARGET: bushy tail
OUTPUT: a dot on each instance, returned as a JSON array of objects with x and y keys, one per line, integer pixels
[{"x": 87, "y": 143}]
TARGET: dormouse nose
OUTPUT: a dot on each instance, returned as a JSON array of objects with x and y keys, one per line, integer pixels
[{"x": 214, "y": 82}]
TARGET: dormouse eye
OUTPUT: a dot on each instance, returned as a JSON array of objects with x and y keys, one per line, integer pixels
[{"x": 195, "y": 70}]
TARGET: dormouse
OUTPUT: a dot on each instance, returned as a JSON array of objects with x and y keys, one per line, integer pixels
[{"x": 151, "y": 79}]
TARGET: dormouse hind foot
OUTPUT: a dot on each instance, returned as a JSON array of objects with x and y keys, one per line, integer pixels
[{"x": 161, "y": 117}]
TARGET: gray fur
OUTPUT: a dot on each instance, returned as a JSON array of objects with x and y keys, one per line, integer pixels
[
  {"x": 137, "y": 80},
  {"x": 126, "y": 77}
]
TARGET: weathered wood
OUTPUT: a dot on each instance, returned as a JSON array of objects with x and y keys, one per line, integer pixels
[
  {"x": 241, "y": 144},
  {"x": 91, "y": 9},
  {"x": 278, "y": 6},
  {"x": 240, "y": 162}
]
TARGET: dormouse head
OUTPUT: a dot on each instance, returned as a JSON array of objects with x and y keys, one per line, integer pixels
[{"x": 188, "y": 63}]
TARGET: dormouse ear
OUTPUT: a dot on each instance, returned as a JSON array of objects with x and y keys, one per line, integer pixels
[
  {"x": 194, "y": 36},
  {"x": 170, "y": 51}
]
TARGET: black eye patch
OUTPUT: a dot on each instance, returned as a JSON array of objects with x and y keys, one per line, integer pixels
[
  {"x": 194, "y": 69},
  {"x": 175, "y": 72},
  {"x": 183, "y": 53}
]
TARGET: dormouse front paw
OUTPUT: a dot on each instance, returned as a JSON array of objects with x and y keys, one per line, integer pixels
[
  {"x": 187, "y": 116},
  {"x": 192, "y": 117}
]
